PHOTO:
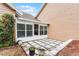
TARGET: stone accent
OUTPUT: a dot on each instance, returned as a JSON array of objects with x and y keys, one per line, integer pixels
[{"x": 52, "y": 47}]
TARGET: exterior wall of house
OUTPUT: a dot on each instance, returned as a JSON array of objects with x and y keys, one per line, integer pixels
[
  {"x": 63, "y": 20},
  {"x": 6, "y": 9}
]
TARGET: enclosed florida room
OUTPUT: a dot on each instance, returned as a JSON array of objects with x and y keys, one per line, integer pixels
[
  {"x": 31, "y": 32},
  {"x": 28, "y": 28}
]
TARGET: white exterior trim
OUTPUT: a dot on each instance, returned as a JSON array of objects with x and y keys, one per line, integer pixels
[
  {"x": 16, "y": 30},
  {"x": 29, "y": 20}
]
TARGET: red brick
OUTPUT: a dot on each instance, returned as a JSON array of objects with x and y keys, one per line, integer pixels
[{"x": 71, "y": 49}]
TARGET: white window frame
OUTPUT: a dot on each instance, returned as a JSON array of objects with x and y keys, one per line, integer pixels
[
  {"x": 43, "y": 30},
  {"x": 25, "y": 30},
  {"x": 20, "y": 30},
  {"x": 28, "y": 30},
  {"x": 33, "y": 30}
]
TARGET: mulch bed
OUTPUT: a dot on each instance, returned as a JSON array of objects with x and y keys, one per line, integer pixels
[
  {"x": 72, "y": 49},
  {"x": 15, "y": 50}
]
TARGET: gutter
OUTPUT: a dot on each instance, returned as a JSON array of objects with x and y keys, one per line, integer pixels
[{"x": 10, "y": 5}]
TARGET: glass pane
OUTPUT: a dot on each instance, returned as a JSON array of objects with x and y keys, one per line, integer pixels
[
  {"x": 20, "y": 26},
  {"x": 35, "y": 32},
  {"x": 20, "y": 33},
  {"x": 45, "y": 32},
  {"x": 41, "y": 28},
  {"x": 45, "y": 28},
  {"x": 29, "y": 33},
  {"x": 35, "y": 29},
  {"x": 41, "y": 32},
  {"x": 35, "y": 26},
  {"x": 29, "y": 27}
]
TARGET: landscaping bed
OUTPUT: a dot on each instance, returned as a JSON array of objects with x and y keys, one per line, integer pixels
[
  {"x": 8, "y": 46},
  {"x": 71, "y": 49},
  {"x": 15, "y": 50}
]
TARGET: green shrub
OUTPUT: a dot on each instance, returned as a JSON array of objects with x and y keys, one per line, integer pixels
[
  {"x": 1, "y": 45},
  {"x": 7, "y": 29}
]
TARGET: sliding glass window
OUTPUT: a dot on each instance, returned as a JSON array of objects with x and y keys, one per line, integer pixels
[
  {"x": 20, "y": 30},
  {"x": 24, "y": 31},
  {"x": 29, "y": 30},
  {"x": 43, "y": 30}
]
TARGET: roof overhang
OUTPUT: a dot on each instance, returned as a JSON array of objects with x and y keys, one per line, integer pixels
[
  {"x": 10, "y": 5},
  {"x": 34, "y": 21}
]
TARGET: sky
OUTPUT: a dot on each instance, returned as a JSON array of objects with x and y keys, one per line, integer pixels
[{"x": 30, "y": 8}]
